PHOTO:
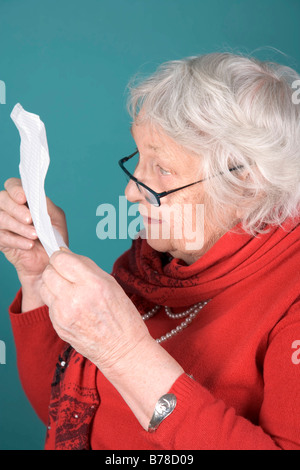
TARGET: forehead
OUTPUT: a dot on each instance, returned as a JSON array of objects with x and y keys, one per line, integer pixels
[
  {"x": 149, "y": 136},
  {"x": 159, "y": 144}
]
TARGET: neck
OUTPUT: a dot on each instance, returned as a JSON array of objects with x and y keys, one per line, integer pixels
[{"x": 190, "y": 257}]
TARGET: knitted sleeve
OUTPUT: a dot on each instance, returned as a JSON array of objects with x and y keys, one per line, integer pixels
[
  {"x": 200, "y": 421},
  {"x": 38, "y": 348}
]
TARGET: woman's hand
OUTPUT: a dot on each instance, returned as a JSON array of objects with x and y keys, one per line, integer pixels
[
  {"x": 18, "y": 240},
  {"x": 90, "y": 311}
]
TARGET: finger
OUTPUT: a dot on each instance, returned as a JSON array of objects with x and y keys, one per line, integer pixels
[
  {"x": 68, "y": 265},
  {"x": 9, "y": 240},
  {"x": 57, "y": 285},
  {"x": 75, "y": 268},
  {"x": 18, "y": 211},
  {"x": 14, "y": 188},
  {"x": 9, "y": 223}
]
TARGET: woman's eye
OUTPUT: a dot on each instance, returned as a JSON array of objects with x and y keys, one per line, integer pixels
[{"x": 164, "y": 172}]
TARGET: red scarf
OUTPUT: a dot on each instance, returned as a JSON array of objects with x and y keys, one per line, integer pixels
[{"x": 148, "y": 279}]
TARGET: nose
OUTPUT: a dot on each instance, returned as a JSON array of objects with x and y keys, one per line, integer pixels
[{"x": 132, "y": 192}]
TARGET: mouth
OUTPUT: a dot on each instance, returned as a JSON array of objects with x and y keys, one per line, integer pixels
[{"x": 148, "y": 220}]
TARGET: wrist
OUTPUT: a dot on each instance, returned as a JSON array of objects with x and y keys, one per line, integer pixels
[
  {"x": 31, "y": 298},
  {"x": 143, "y": 377}
]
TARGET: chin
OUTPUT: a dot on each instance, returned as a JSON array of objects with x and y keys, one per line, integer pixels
[{"x": 163, "y": 246}]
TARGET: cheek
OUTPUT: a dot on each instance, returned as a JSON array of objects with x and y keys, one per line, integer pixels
[
  {"x": 190, "y": 208},
  {"x": 188, "y": 221}
]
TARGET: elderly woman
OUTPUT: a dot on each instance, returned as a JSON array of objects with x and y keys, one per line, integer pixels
[{"x": 191, "y": 343}]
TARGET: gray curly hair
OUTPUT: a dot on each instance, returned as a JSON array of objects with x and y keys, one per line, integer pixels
[{"x": 232, "y": 110}]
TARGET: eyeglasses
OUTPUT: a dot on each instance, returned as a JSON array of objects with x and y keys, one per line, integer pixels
[{"x": 149, "y": 194}]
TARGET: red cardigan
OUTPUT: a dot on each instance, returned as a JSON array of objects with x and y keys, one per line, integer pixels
[{"x": 243, "y": 351}]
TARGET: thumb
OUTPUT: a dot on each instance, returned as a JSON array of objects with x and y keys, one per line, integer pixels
[{"x": 68, "y": 264}]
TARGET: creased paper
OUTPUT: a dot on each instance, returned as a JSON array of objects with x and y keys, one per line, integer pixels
[{"x": 34, "y": 164}]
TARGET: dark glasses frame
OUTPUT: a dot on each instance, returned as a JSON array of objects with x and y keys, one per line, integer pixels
[{"x": 158, "y": 196}]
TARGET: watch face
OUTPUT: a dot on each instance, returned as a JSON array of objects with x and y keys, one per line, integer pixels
[
  {"x": 163, "y": 405},
  {"x": 163, "y": 408}
]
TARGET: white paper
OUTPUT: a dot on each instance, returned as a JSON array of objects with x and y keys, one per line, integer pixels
[{"x": 34, "y": 164}]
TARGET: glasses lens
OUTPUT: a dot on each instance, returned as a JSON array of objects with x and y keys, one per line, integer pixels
[
  {"x": 131, "y": 165},
  {"x": 151, "y": 198}
]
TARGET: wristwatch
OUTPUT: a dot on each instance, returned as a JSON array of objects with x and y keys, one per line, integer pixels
[{"x": 163, "y": 408}]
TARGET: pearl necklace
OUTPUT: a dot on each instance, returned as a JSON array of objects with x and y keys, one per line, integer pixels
[{"x": 189, "y": 316}]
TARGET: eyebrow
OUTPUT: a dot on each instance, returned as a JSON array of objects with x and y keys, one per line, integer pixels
[{"x": 152, "y": 147}]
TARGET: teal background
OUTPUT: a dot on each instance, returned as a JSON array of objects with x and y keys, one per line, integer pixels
[{"x": 70, "y": 62}]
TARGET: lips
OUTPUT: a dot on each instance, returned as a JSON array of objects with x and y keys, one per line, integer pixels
[{"x": 148, "y": 220}]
